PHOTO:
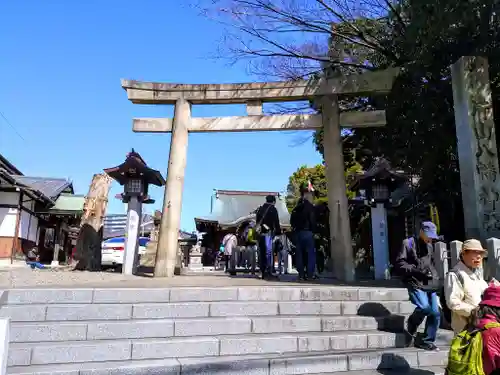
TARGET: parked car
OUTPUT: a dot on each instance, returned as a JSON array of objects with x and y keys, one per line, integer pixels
[{"x": 112, "y": 251}]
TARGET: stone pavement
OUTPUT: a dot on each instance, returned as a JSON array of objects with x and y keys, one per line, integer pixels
[{"x": 27, "y": 278}]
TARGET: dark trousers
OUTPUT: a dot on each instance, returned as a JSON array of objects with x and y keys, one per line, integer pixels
[
  {"x": 320, "y": 258},
  {"x": 305, "y": 250},
  {"x": 427, "y": 306},
  {"x": 266, "y": 253}
]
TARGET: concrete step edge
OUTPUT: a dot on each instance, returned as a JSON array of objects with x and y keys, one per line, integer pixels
[
  {"x": 443, "y": 336},
  {"x": 200, "y": 310},
  {"x": 203, "y": 318},
  {"x": 270, "y": 364},
  {"x": 196, "y": 294}
]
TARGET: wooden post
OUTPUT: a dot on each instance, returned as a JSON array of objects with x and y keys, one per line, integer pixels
[
  {"x": 88, "y": 246},
  {"x": 340, "y": 230},
  {"x": 4, "y": 344},
  {"x": 15, "y": 239},
  {"x": 96, "y": 201},
  {"x": 172, "y": 203},
  {"x": 58, "y": 243}
]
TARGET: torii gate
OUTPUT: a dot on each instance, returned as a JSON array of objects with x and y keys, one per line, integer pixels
[{"x": 322, "y": 92}]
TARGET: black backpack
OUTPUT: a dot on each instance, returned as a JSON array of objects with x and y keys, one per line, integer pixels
[{"x": 442, "y": 299}]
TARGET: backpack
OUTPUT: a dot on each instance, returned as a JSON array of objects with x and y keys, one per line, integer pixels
[
  {"x": 251, "y": 236},
  {"x": 258, "y": 227},
  {"x": 466, "y": 352},
  {"x": 442, "y": 299}
]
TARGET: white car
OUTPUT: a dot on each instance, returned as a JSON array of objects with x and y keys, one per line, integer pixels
[{"x": 112, "y": 251}]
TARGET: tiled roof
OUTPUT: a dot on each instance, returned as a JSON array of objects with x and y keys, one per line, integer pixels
[
  {"x": 232, "y": 207},
  {"x": 69, "y": 203},
  {"x": 48, "y": 187},
  {"x": 8, "y": 166}
]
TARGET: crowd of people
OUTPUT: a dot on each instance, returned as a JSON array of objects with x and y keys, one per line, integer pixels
[
  {"x": 265, "y": 237},
  {"x": 469, "y": 303},
  {"x": 466, "y": 301}
]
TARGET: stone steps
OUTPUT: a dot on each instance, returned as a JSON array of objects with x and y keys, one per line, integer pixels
[
  {"x": 323, "y": 363},
  {"x": 137, "y": 331},
  {"x": 126, "y": 311},
  {"x": 185, "y": 327},
  {"x": 42, "y": 352}
]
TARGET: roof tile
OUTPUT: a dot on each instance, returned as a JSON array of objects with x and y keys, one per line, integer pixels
[{"x": 49, "y": 187}]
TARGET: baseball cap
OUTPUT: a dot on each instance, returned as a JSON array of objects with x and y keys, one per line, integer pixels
[{"x": 429, "y": 229}]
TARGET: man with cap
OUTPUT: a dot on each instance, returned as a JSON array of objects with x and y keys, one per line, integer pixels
[
  {"x": 465, "y": 284},
  {"x": 415, "y": 262}
]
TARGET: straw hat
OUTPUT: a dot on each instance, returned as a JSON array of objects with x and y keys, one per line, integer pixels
[{"x": 473, "y": 245}]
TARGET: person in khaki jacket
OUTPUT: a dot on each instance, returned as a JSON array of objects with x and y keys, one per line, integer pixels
[{"x": 465, "y": 284}]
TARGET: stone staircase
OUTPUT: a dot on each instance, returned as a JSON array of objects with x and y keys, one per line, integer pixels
[{"x": 276, "y": 330}]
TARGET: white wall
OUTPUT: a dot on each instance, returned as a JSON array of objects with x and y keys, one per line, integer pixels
[
  {"x": 8, "y": 216},
  {"x": 28, "y": 225}
]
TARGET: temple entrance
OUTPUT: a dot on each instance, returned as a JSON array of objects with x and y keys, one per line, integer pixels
[
  {"x": 323, "y": 93},
  {"x": 477, "y": 149}
]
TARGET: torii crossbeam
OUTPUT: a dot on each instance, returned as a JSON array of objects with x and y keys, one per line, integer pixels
[{"x": 323, "y": 92}]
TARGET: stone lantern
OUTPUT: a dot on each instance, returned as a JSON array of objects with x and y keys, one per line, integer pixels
[
  {"x": 375, "y": 187},
  {"x": 135, "y": 176}
]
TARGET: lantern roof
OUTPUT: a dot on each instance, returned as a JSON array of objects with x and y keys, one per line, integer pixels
[
  {"x": 380, "y": 173},
  {"x": 134, "y": 167}
]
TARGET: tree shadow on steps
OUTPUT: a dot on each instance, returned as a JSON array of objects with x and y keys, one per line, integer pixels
[
  {"x": 394, "y": 364},
  {"x": 390, "y": 364},
  {"x": 386, "y": 320}
]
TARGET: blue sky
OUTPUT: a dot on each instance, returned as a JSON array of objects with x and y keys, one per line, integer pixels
[{"x": 60, "y": 69}]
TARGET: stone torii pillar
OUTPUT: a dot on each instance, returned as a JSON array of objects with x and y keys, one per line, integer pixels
[
  {"x": 340, "y": 227},
  {"x": 477, "y": 147},
  {"x": 325, "y": 92},
  {"x": 166, "y": 254}
]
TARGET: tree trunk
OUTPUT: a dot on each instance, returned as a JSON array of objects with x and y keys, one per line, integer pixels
[{"x": 88, "y": 246}]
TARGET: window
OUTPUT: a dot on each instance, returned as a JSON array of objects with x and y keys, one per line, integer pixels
[{"x": 134, "y": 186}]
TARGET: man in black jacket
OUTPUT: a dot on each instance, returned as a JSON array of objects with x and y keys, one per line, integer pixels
[
  {"x": 268, "y": 220},
  {"x": 416, "y": 264},
  {"x": 303, "y": 223}
]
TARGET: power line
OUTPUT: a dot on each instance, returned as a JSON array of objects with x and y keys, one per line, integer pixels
[{"x": 12, "y": 126}]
